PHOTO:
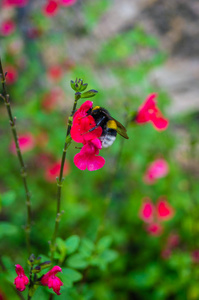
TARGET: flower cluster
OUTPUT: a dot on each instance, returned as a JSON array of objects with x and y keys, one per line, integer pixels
[
  {"x": 49, "y": 279},
  {"x": 153, "y": 215},
  {"x": 88, "y": 157},
  {"x": 149, "y": 112},
  {"x": 157, "y": 169}
]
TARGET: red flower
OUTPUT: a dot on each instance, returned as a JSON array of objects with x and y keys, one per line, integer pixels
[
  {"x": 67, "y": 2},
  {"x": 7, "y": 27},
  {"x": 55, "y": 72},
  {"x": 51, "y": 8},
  {"x": 154, "y": 214},
  {"x": 53, "y": 171},
  {"x": 82, "y": 123},
  {"x": 150, "y": 112},
  {"x": 164, "y": 210},
  {"x": 154, "y": 229},
  {"x": 21, "y": 280},
  {"x": 195, "y": 256},
  {"x": 53, "y": 99},
  {"x": 157, "y": 169},
  {"x": 18, "y": 3},
  {"x": 147, "y": 211},
  {"x": 12, "y": 74},
  {"x": 87, "y": 158},
  {"x": 26, "y": 143},
  {"x": 50, "y": 280}
]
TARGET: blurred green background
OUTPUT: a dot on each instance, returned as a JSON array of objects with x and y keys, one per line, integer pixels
[{"x": 125, "y": 50}]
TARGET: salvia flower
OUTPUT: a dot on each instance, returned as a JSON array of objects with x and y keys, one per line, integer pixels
[
  {"x": 157, "y": 169},
  {"x": 17, "y": 3},
  {"x": 67, "y": 2},
  {"x": 82, "y": 132},
  {"x": 26, "y": 143},
  {"x": 153, "y": 215},
  {"x": 21, "y": 280},
  {"x": 7, "y": 27},
  {"x": 51, "y": 8},
  {"x": 52, "y": 281},
  {"x": 149, "y": 112},
  {"x": 53, "y": 169},
  {"x": 88, "y": 157}
]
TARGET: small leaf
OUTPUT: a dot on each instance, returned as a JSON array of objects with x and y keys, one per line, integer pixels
[
  {"x": 7, "y": 229},
  {"x": 77, "y": 261},
  {"x": 83, "y": 87},
  {"x": 8, "y": 198},
  {"x": 69, "y": 276},
  {"x": 72, "y": 83},
  {"x": 86, "y": 247},
  {"x": 109, "y": 255},
  {"x": 72, "y": 243},
  {"x": 104, "y": 243},
  {"x": 89, "y": 94}
]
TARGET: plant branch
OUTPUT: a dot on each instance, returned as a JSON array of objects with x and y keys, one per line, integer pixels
[
  {"x": 5, "y": 97},
  {"x": 60, "y": 178}
]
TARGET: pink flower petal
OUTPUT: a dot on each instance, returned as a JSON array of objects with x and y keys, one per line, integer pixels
[
  {"x": 26, "y": 143},
  {"x": 154, "y": 229},
  {"x": 157, "y": 169},
  {"x": 7, "y": 28},
  {"x": 164, "y": 210},
  {"x": 67, "y": 2},
  {"x": 147, "y": 211},
  {"x": 95, "y": 163},
  {"x": 51, "y": 8}
]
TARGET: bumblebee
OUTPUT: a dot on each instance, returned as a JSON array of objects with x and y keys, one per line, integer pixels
[{"x": 110, "y": 126}]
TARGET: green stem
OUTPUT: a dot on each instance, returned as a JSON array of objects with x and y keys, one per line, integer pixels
[
  {"x": 5, "y": 97},
  {"x": 60, "y": 179}
]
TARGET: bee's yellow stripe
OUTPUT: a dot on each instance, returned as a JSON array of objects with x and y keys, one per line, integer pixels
[
  {"x": 96, "y": 107},
  {"x": 112, "y": 124}
]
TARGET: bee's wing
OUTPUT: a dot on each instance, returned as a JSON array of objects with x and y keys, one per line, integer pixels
[{"x": 121, "y": 129}]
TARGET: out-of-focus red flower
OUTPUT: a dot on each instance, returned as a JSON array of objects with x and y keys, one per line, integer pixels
[
  {"x": 21, "y": 280},
  {"x": 55, "y": 72},
  {"x": 171, "y": 243},
  {"x": 2, "y": 296},
  {"x": 157, "y": 169},
  {"x": 195, "y": 256},
  {"x": 51, "y": 8},
  {"x": 52, "y": 99},
  {"x": 148, "y": 111},
  {"x": 82, "y": 123},
  {"x": 7, "y": 27},
  {"x": 12, "y": 74},
  {"x": 52, "y": 171},
  {"x": 153, "y": 215},
  {"x": 17, "y": 3},
  {"x": 154, "y": 229},
  {"x": 67, "y": 2},
  {"x": 26, "y": 143},
  {"x": 164, "y": 210},
  {"x": 52, "y": 281},
  {"x": 88, "y": 157},
  {"x": 147, "y": 211}
]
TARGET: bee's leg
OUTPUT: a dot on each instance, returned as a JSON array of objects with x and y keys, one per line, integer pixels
[{"x": 97, "y": 124}]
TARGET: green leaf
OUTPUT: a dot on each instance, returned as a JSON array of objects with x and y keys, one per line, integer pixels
[
  {"x": 69, "y": 276},
  {"x": 86, "y": 247},
  {"x": 7, "y": 229},
  {"x": 109, "y": 255},
  {"x": 83, "y": 87},
  {"x": 8, "y": 198},
  {"x": 89, "y": 94},
  {"x": 72, "y": 243},
  {"x": 77, "y": 261},
  {"x": 104, "y": 243}
]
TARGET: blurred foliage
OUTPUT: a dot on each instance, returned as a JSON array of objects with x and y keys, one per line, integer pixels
[{"x": 103, "y": 247}]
